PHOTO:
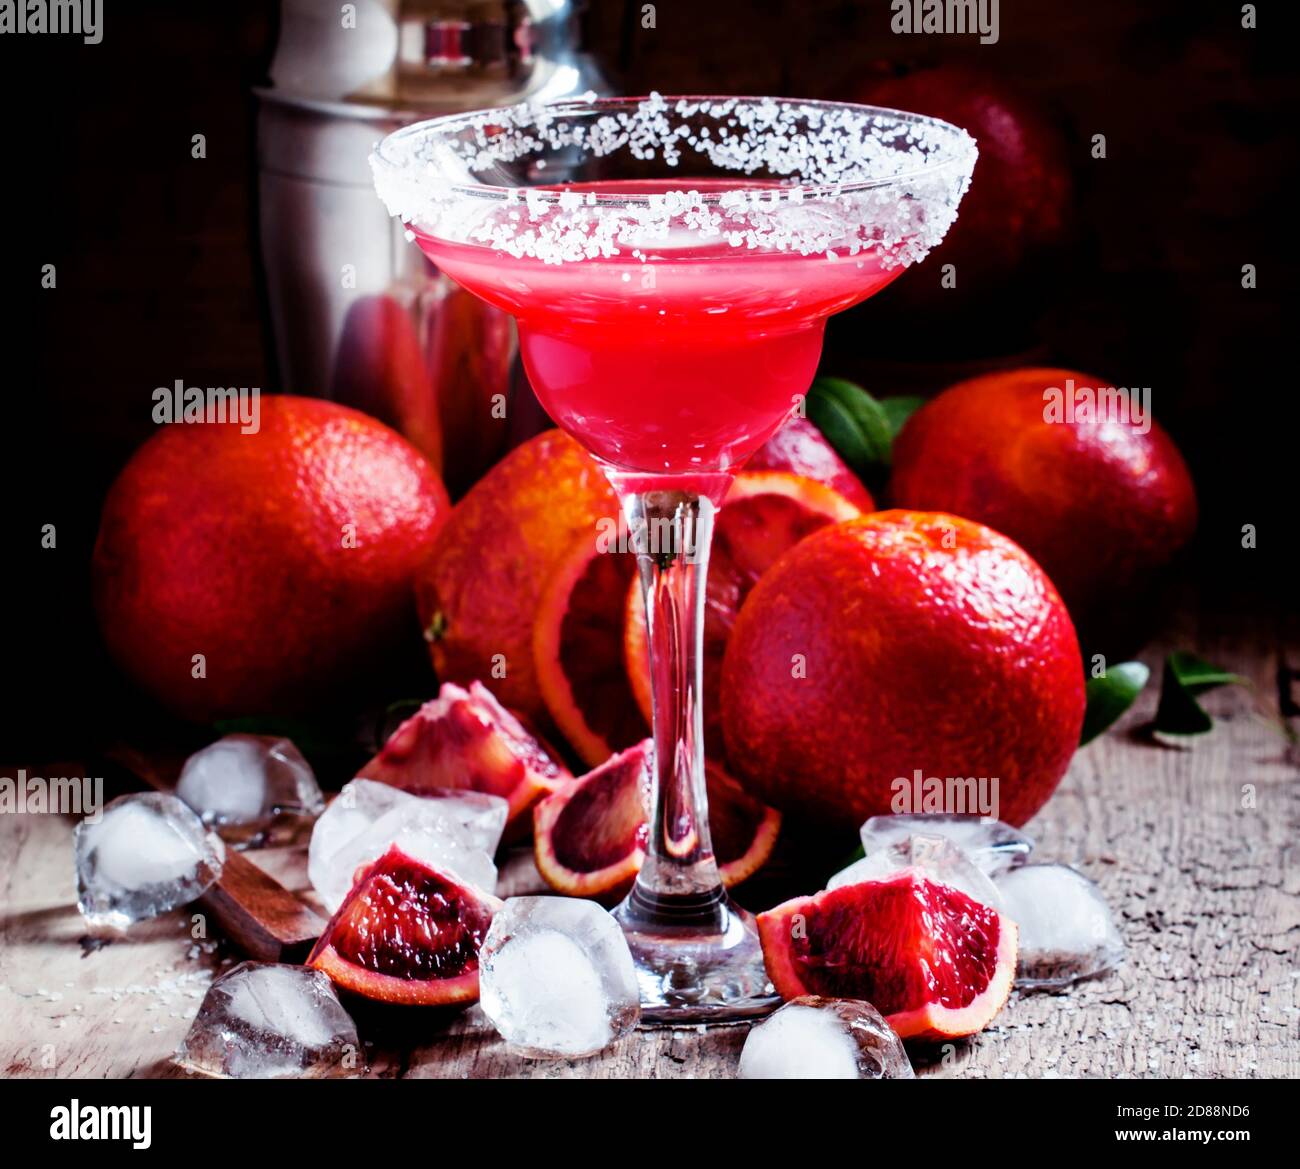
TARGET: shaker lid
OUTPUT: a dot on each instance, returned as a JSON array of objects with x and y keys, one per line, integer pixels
[{"x": 427, "y": 56}]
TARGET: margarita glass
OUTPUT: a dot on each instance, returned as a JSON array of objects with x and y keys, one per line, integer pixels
[{"x": 671, "y": 263}]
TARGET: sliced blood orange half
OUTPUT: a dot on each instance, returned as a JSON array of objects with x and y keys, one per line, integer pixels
[
  {"x": 765, "y": 514},
  {"x": 934, "y": 962},
  {"x": 800, "y": 447},
  {"x": 578, "y": 651},
  {"x": 465, "y": 739},
  {"x": 406, "y": 933},
  {"x": 590, "y": 836}
]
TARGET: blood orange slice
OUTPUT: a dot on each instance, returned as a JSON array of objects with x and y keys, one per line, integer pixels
[
  {"x": 743, "y": 831},
  {"x": 935, "y": 963},
  {"x": 406, "y": 933},
  {"x": 465, "y": 739},
  {"x": 765, "y": 514},
  {"x": 801, "y": 448},
  {"x": 578, "y": 654},
  {"x": 590, "y": 836}
]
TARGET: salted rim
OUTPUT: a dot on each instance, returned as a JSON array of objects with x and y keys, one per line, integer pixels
[{"x": 399, "y": 150}]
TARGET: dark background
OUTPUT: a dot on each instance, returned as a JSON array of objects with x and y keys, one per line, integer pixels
[{"x": 158, "y": 274}]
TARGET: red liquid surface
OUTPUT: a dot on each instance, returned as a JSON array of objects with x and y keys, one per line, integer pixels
[{"x": 686, "y": 363}]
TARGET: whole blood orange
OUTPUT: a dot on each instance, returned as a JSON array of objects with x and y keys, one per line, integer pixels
[
  {"x": 260, "y": 573},
  {"x": 1101, "y": 504},
  {"x": 1021, "y": 194},
  {"x": 479, "y": 593},
  {"x": 898, "y": 649}
]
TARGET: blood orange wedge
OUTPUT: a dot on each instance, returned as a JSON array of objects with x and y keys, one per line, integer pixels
[
  {"x": 934, "y": 962},
  {"x": 465, "y": 739},
  {"x": 406, "y": 933},
  {"x": 589, "y": 837},
  {"x": 765, "y": 514}
]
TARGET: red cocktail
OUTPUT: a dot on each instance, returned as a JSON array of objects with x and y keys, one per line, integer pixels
[{"x": 683, "y": 362}]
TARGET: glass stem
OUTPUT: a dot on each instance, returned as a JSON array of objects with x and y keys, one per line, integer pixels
[{"x": 671, "y": 532}]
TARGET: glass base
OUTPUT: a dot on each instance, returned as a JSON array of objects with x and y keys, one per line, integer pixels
[{"x": 697, "y": 958}]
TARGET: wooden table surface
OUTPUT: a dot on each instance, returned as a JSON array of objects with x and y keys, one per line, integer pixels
[{"x": 1196, "y": 850}]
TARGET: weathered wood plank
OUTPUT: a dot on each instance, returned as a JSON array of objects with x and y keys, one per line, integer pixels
[{"x": 1196, "y": 850}]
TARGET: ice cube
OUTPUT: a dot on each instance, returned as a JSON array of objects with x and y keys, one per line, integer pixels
[
  {"x": 476, "y": 817},
  {"x": 263, "y": 1022},
  {"x": 457, "y": 832},
  {"x": 993, "y": 846},
  {"x": 1067, "y": 931},
  {"x": 251, "y": 788},
  {"x": 812, "y": 1038},
  {"x": 556, "y": 977},
  {"x": 146, "y": 854},
  {"x": 933, "y": 857}
]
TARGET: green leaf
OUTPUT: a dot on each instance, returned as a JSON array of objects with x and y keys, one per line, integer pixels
[
  {"x": 1198, "y": 675},
  {"x": 840, "y": 430},
  {"x": 1110, "y": 696},
  {"x": 854, "y": 423},
  {"x": 1187, "y": 676},
  {"x": 898, "y": 410},
  {"x": 861, "y": 428}
]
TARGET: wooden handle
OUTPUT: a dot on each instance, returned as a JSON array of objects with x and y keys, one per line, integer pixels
[{"x": 258, "y": 914}]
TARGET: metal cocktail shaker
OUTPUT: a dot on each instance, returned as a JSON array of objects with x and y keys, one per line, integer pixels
[{"x": 358, "y": 314}]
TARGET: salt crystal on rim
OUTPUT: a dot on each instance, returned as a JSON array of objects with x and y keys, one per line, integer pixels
[{"x": 883, "y": 180}]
